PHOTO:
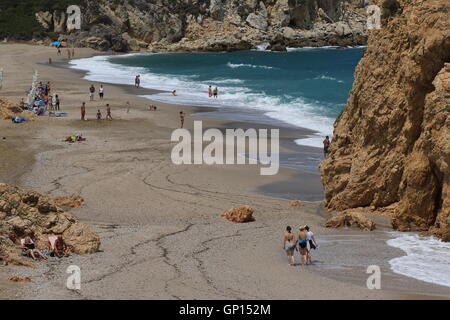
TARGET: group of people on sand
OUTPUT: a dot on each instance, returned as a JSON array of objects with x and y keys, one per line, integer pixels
[
  {"x": 55, "y": 247},
  {"x": 304, "y": 242},
  {"x": 99, "y": 115},
  {"x": 213, "y": 93}
]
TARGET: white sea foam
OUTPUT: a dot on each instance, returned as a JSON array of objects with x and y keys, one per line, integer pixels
[
  {"x": 191, "y": 92},
  {"x": 263, "y": 46},
  {"x": 426, "y": 259},
  {"x": 325, "y": 77},
  {"x": 246, "y": 65}
]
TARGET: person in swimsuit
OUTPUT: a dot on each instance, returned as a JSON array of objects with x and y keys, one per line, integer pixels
[
  {"x": 91, "y": 92},
  {"x": 101, "y": 92},
  {"x": 216, "y": 92},
  {"x": 311, "y": 241},
  {"x": 99, "y": 115},
  {"x": 60, "y": 247},
  {"x": 302, "y": 245},
  {"x": 210, "y": 92},
  {"x": 326, "y": 146},
  {"x": 29, "y": 246},
  {"x": 289, "y": 245},
  {"x": 137, "y": 81},
  {"x": 108, "y": 112}
]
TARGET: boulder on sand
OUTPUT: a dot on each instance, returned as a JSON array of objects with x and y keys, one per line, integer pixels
[
  {"x": 241, "y": 214},
  {"x": 296, "y": 203},
  {"x": 25, "y": 212},
  {"x": 69, "y": 201},
  {"x": 352, "y": 219}
]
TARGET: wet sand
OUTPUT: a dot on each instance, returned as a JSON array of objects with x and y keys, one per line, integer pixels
[{"x": 162, "y": 237}]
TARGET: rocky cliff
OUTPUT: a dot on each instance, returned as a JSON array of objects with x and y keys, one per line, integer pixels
[
  {"x": 391, "y": 145},
  {"x": 211, "y": 25}
]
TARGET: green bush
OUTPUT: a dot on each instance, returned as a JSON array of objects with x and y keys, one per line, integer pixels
[
  {"x": 17, "y": 18},
  {"x": 390, "y": 8}
]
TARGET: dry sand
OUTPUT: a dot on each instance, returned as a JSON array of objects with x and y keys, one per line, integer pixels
[{"x": 162, "y": 237}]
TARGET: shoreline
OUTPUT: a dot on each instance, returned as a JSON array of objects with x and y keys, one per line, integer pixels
[{"x": 141, "y": 255}]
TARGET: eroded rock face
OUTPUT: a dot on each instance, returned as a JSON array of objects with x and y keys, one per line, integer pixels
[
  {"x": 352, "y": 219},
  {"x": 27, "y": 212},
  {"x": 391, "y": 144},
  {"x": 241, "y": 214},
  {"x": 211, "y": 25}
]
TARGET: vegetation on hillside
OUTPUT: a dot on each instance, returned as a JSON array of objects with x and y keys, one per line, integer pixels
[{"x": 17, "y": 18}]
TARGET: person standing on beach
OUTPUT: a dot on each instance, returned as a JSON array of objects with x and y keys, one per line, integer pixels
[
  {"x": 216, "y": 92},
  {"x": 137, "y": 81},
  {"x": 326, "y": 146},
  {"x": 91, "y": 92},
  {"x": 128, "y": 106},
  {"x": 83, "y": 111},
  {"x": 57, "y": 102},
  {"x": 108, "y": 112},
  {"x": 302, "y": 245},
  {"x": 101, "y": 92},
  {"x": 289, "y": 245},
  {"x": 311, "y": 241},
  {"x": 182, "y": 115}
]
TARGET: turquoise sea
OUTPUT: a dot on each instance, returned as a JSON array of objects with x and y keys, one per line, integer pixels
[{"x": 305, "y": 87}]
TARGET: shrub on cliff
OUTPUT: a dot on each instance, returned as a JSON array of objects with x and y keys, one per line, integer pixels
[{"x": 390, "y": 8}]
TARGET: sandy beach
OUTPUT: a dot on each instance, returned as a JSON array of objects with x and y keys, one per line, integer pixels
[{"x": 162, "y": 237}]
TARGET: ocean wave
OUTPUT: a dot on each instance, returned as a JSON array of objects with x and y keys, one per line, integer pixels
[
  {"x": 426, "y": 259},
  {"x": 325, "y": 77},
  {"x": 246, "y": 65}
]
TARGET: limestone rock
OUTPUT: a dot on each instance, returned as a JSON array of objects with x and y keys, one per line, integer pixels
[{"x": 241, "y": 214}]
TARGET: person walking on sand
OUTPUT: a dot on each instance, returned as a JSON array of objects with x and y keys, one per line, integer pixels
[
  {"x": 326, "y": 146},
  {"x": 91, "y": 92},
  {"x": 108, "y": 112},
  {"x": 128, "y": 106},
  {"x": 216, "y": 92},
  {"x": 137, "y": 81},
  {"x": 302, "y": 245},
  {"x": 311, "y": 242},
  {"x": 289, "y": 245},
  {"x": 182, "y": 115},
  {"x": 101, "y": 92},
  {"x": 83, "y": 111}
]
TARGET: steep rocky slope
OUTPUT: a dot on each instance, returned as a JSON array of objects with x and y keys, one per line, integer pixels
[
  {"x": 211, "y": 25},
  {"x": 391, "y": 145}
]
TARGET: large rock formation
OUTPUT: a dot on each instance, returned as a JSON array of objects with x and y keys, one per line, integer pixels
[
  {"x": 391, "y": 144},
  {"x": 24, "y": 212},
  {"x": 211, "y": 25}
]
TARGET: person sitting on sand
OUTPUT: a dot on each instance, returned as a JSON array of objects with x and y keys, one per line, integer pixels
[
  {"x": 326, "y": 146},
  {"x": 30, "y": 248},
  {"x": 57, "y": 246},
  {"x": 289, "y": 245},
  {"x": 302, "y": 243},
  {"x": 99, "y": 115},
  {"x": 311, "y": 241}
]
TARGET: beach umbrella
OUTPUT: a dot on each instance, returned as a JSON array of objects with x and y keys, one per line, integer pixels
[{"x": 56, "y": 43}]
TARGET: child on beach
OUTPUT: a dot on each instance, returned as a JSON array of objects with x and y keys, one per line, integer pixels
[{"x": 83, "y": 111}]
